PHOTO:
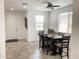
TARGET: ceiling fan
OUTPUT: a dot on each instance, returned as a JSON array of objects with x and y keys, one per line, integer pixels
[{"x": 50, "y": 5}]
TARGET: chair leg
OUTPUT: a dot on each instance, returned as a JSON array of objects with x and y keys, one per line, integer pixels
[
  {"x": 68, "y": 53},
  {"x": 39, "y": 44},
  {"x": 47, "y": 52},
  {"x": 61, "y": 55},
  {"x": 60, "y": 51},
  {"x": 42, "y": 46}
]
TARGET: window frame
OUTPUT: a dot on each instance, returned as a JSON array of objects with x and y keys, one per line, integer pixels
[
  {"x": 68, "y": 22},
  {"x": 38, "y": 21}
]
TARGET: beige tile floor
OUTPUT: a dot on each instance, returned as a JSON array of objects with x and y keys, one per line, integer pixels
[{"x": 26, "y": 50}]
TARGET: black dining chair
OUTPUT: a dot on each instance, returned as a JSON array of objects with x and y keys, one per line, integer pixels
[
  {"x": 46, "y": 44},
  {"x": 60, "y": 33},
  {"x": 40, "y": 41},
  {"x": 63, "y": 46},
  {"x": 40, "y": 33}
]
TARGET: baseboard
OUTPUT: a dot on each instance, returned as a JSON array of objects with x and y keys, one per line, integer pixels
[
  {"x": 22, "y": 40},
  {"x": 11, "y": 40}
]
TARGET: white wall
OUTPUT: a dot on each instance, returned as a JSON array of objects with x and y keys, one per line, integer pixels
[
  {"x": 16, "y": 20},
  {"x": 16, "y": 25},
  {"x": 75, "y": 31},
  {"x": 2, "y": 31},
  {"x": 32, "y": 33},
  {"x": 53, "y": 16}
]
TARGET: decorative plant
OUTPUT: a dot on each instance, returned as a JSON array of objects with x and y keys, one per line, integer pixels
[{"x": 51, "y": 31}]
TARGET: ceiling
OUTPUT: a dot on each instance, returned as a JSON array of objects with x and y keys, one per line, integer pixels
[{"x": 33, "y": 4}]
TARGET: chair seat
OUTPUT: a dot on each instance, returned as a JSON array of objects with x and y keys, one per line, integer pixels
[{"x": 59, "y": 45}]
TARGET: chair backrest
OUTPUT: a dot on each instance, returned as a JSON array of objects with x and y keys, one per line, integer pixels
[
  {"x": 44, "y": 37},
  {"x": 41, "y": 32},
  {"x": 44, "y": 40},
  {"x": 60, "y": 33},
  {"x": 65, "y": 41}
]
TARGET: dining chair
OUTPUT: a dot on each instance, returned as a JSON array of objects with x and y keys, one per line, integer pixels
[
  {"x": 63, "y": 46},
  {"x": 40, "y": 33},
  {"x": 40, "y": 41},
  {"x": 60, "y": 33},
  {"x": 46, "y": 44}
]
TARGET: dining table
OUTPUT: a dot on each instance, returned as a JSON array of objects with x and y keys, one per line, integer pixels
[{"x": 54, "y": 38}]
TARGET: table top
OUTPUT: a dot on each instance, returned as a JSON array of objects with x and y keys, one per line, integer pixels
[{"x": 55, "y": 36}]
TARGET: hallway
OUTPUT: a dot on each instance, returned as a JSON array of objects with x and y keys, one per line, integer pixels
[{"x": 24, "y": 50}]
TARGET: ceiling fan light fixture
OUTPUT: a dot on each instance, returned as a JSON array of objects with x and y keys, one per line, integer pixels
[
  {"x": 24, "y": 5},
  {"x": 11, "y": 9}
]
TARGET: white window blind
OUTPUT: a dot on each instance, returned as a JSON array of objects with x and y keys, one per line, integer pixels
[
  {"x": 39, "y": 20},
  {"x": 65, "y": 22}
]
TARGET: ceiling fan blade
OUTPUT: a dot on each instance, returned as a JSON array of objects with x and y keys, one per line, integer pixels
[
  {"x": 56, "y": 6},
  {"x": 47, "y": 6}
]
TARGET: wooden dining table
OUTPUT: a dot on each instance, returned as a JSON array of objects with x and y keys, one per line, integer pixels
[{"x": 56, "y": 38}]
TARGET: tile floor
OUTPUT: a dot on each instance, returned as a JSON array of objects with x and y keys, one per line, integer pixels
[{"x": 26, "y": 50}]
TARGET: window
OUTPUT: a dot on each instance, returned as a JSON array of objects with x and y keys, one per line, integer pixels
[
  {"x": 39, "y": 20},
  {"x": 65, "y": 22},
  {"x": 70, "y": 23}
]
